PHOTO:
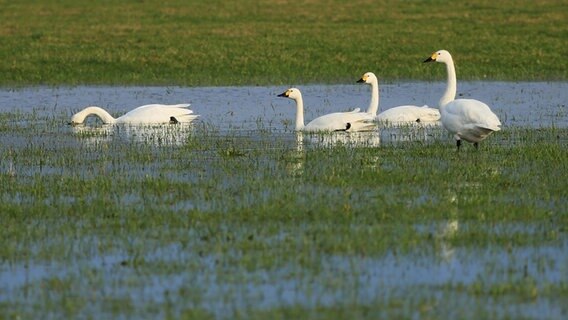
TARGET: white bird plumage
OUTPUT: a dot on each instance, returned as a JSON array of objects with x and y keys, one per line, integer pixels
[
  {"x": 397, "y": 115},
  {"x": 467, "y": 119},
  {"x": 147, "y": 114},
  {"x": 337, "y": 121}
]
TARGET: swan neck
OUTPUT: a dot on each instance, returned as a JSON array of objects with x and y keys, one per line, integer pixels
[
  {"x": 374, "y": 105},
  {"x": 451, "y": 86},
  {"x": 299, "y": 113},
  {"x": 97, "y": 111}
]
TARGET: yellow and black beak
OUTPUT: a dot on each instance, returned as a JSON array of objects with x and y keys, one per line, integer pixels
[
  {"x": 285, "y": 94},
  {"x": 431, "y": 58},
  {"x": 363, "y": 79}
]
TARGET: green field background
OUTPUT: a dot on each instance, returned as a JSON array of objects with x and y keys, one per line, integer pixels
[{"x": 245, "y": 42}]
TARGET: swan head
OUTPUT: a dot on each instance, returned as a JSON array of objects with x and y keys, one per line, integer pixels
[
  {"x": 440, "y": 56},
  {"x": 292, "y": 93},
  {"x": 368, "y": 77}
]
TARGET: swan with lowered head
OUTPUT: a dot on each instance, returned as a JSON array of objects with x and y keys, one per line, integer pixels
[
  {"x": 147, "y": 114},
  {"x": 468, "y": 119},
  {"x": 397, "y": 115},
  {"x": 337, "y": 121}
]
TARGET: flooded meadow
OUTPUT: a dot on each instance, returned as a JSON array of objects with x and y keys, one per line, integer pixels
[{"x": 237, "y": 216}]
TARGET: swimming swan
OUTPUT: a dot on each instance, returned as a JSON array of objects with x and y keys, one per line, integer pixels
[
  {"x": 147, "y": 114},
  {"x": 468, "y": 119},
  {"x": 338, "y": 121},
  {"x": 397, "y": 115}
]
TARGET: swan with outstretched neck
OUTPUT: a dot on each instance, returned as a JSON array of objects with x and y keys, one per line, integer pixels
[
  {"x": 147, "y": 114},
  {"x": 467, "y": 119},
  {"x": 397, "y": 115},
  {"x": 337, "y": 121}
]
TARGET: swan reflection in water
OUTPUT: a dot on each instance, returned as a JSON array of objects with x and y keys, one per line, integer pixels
[
  {"x": 386, "y": 134},
  {"x": 158, "y": 135},
  {"x": 446, "y": 230},
  {"x": 444, "y": 233},
  {"x": 305, "y": 141},
  {"x": 296, "y": 157},
  {"x": 425, "y": 132},
  {"x": 342, "y": 138}
]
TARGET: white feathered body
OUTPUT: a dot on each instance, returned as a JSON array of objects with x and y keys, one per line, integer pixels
[
  {"x": 409, "y": 115},
  {"x": 469, "y": 119},
  {"x": 337, "y": 121},
  {"x": 158, "y": 113},
  {"x": 147, "y": 114}
]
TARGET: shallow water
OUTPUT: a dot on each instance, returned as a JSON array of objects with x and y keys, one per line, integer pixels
[
  {"x": 439, "y": 269},
  {"x": 532, "y": 104},
  {"x": 241, "y": 115}
]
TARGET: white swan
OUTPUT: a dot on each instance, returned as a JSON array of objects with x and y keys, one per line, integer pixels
[
  {"x": 397, "y": 115},
  {"x": 468, "y": 119},
  {"x": 147, "y": 114},
  {"x": 338, "y": 121}
]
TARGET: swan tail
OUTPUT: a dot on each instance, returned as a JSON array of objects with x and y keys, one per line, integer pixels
[
  {"x": 184, "y": 118},
  {"x": 477, "y": 133},
  {"x": 489, "y": 128},
  {"x": 356, "y": 110},
  {"x": 181, "y": 105},
  {"x": 365, "y": 125}
]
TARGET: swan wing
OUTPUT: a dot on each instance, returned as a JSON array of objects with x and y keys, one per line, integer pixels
[
  {"x": 158, "y": 113},
  {"x": 409, "y": 114},
  {"x": 470, "y": 119},
  {"x": 181, "y": 113},
  {"x": 329, "y": 122},
  {"x": 473, "y": 112},
  {"x": 427, "y": 114},
  {"x": 338, "y": 121},
  {"x": 361, "y": 121}
]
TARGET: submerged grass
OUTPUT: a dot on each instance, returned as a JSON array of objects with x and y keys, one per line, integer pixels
[
  {"x": 115, "y": 222},
  {"x": 250, "y": 42}
]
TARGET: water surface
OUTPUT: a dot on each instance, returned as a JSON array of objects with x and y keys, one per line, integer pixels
[
  {"x": 248, "y": 138},
  {"x": 533, "y": 104}
]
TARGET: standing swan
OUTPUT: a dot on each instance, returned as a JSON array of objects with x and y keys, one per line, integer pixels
[
  {"x": 468, "y": 119},
  {"x": 147, "y": 114},
  {"x": 397, "y": 115},
  {"x": 338, "y": 121}
]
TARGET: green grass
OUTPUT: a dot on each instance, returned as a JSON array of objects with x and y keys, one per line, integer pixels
[
  {"x": 199, "y": 223},
  {"x": 199, "y": 43},
  {"x": 129, "y": 227}
]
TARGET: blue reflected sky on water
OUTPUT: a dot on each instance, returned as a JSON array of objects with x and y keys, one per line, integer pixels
[{"x": 532, "y": 104}]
